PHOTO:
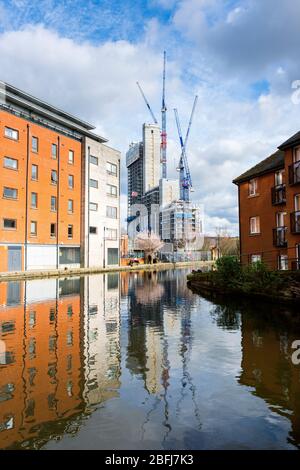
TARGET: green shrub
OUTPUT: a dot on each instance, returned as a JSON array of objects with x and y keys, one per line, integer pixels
[{"x": 229, "y": 270}]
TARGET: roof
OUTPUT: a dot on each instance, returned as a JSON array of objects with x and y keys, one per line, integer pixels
[
  {"x": 294, "y": 140},
  {"x": 20, "y": 98},
  {"x": 273, "y": 162}
]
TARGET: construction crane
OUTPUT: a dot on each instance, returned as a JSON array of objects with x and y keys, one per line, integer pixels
[
  {"x": 147, "y": 103},
  {"x": 164, "y": 124},
  {"x": 185, "y": 179}
]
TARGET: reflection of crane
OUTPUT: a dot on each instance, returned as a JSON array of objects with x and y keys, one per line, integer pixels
[
  {"x": 185, "y": 178},
  {"x": 147, "y": 103}
]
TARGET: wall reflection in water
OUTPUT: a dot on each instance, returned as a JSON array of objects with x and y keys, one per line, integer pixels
[{"x": 59, "y": 355}]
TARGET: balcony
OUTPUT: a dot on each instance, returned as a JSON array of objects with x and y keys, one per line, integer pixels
[
  {"x": 294, "y": 173},
  {"x": 295, "y": 265},
  {"x": 279, "y": 237},
  {"x": 295, "y": 222},
  {"x": 279, "y": 194}
]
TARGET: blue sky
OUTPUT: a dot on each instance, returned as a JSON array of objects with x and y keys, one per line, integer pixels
[{"x": 86, "y": 56}]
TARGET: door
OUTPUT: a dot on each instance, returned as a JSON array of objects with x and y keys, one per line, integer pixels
[{"x": 14, "y": 262}]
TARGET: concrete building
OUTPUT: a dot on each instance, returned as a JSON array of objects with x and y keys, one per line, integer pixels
[
  {"x": 135, "y": 174},
  {"x": 151, "y": 160},
  {"x": 44, "y": 185}
]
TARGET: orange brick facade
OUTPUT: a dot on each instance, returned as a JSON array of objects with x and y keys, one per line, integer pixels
[{"x": 276, "y": 242}]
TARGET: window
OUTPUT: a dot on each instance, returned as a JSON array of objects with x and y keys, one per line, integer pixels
[
  {"x": 111, "y": 212},
  {"x": 253, "y": 187},
  {"x": 70, "y": 231},
  {"x": 93, "y": 230},
  {"x": 280, "y": 219},
  {"x": 34, "y": 200},
  {"x": 283, "y": 262},
  {"x": 297, "y": 154},
  {"x": 254, "y": 225},
  {"x": 10, "y": 163},
  {"x": 69, "y": 255},
  {"x": 111, "y": 168},
  {"x": 112, "y": 256},
  {"x": 255, "y": 258},
  {"x": 11, "y": 133},
  {"x": 111, "y": 190},
  {"x": 54, "y": 151},
  {"x": 93, "y": 206},
  {"x": 279, "y": 178},
  {"x": 53, "y": 203},
  {"x": 93, "y": 160},
  {"x": 10, "y": 193},
  {"x": 93, "y": 183},
  {"x": 9, "y": 224},
  {"x": 71, "y": 157},
  {"x": 111, "y": 234},
  {"x": 34, "y": 144},
  {"x": 70, "y": 206},
  {"x": 71, "y": 181},
  {"x": 297, "y": 202},
  {"x": 34, "y": 172},
  {"x": 52, "y": 230},
  {"x": 53, "y": 177},
  {"x": 33, "y": 228}
]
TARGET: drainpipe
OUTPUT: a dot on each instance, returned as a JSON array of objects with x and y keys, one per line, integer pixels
[
  {"x": 88, "y": 209},
  {"x": 57, "y": 202},
  {"x": 26, "y": 197}
]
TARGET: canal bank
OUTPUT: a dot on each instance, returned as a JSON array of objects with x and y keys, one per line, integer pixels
[{"x": 68, "y": 272}]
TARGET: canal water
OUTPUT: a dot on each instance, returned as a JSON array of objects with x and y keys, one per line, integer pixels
[{"x": 137, "y": 361}]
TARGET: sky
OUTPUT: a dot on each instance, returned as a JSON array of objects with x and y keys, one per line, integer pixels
[{"x": 240, "y": 57}]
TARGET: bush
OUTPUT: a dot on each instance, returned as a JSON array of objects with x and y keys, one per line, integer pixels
[{"x": 228, "y": 269}]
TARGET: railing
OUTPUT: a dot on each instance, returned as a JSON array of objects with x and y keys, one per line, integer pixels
[
  {"x": 295, "y": 265},
  {"x": 294, "y": 173},
  {"x": 295, "y": 222},
  {"x": 279, "y": 237},
  {"x": 278, "y": 194}
]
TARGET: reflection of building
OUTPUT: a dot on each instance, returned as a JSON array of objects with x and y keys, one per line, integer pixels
[
  {"x": 267, "y": 367},
  {"x": 102, "y": 337}
]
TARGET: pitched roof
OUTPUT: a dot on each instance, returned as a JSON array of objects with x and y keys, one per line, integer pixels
[
  {"x": 294, "y": 140},
  {"x": 273, "y": 162}
]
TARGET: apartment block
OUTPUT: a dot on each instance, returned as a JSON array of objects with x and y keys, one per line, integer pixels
[
  {"x": 269, "y": 209},
  {"x": 44, "y": 186}
]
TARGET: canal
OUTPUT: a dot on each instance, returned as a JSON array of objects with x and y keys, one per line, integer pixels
[{"x": 137, "y": 361}]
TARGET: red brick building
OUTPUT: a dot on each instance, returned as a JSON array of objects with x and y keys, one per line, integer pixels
[{"x": 269, "y": 209}]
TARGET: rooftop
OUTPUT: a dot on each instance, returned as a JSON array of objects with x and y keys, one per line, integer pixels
[
  {"x": 294, "y": 140},
  {"x": 271, "y": 163}
]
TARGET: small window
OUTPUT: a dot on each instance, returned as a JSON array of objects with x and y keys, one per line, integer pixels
[
  {"x": 71, "y": 157},
  {"x": 34, "y": 172},
  {"x": 111, "y": 212},
  {"x": 111, "y": 190},
  {"x": 11, "y": 133},
  {"x": 70, "y": 231},
  {"x": 34, "y": 200},
  {"x": 254, "y": 225},
  {"x": 71, "y": 181},
  {"x": 10, "y": 163},
  {"x": 253, "y": 187},
  {"x": 93, "y": 160},
  {"x": 111, "y": 169},
  {"x": 52, "y": 230},
  {"x": 33, "y": 228},
  {"x": 70, "y": 206},
  {"x": 93, "y": 230},
  {"x": 34, "y": 144},
  {"x": 9, "y": 224},
  {"x": 10, "y": 193},
  {"x": 53, "y": 177},
  {"x": 93, "y": 206},
  {"x": 54, "y": 151},
  {"x": 255, "y": 259},
  {"x": 283, "y": 262},
  {"x": 111, "y": 234},
  {"x": 93, "y": 183},
  {"x": 53, "y": 203}
]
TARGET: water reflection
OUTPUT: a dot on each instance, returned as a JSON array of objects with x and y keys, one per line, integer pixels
[{"x": 137, "y": 360}]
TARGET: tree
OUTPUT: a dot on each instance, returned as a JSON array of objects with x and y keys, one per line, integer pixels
[{"x": 149, "y": 243}]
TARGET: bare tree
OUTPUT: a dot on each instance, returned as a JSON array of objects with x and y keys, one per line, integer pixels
[{"x": 149, "y": 243}]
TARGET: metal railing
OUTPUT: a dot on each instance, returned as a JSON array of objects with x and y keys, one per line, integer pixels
[
  {"x": 294, "y": 173},
  {"x": 279, "y": 237},
  {"x": 295, "y": 222},
  {"x": 278, "y": 194}
]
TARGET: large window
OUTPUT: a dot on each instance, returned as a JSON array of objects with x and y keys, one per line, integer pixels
[
  {"x": 254, "y": 225},
  {"x": 69, "y": 255},
  {"x": 253, "y": 185},
  {"x": 93, "y": 183},
  {"x": 255, "y": 259},
  {"x": 9, "y": 224},
  {"x": 112, "y": 256},
  {"x": 111, "y": 212},
  {"x": 11, "y": 133},
  {"x": 111, "y": 169},
  {"x": 10, "y": 163},
  {"x": 111, "y": 190},
  {"x": 10, "y": 193}
]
